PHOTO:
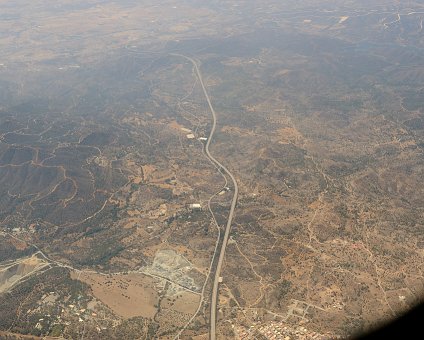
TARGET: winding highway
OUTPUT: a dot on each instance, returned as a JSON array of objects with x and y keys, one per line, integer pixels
[
  {"x": 214, "y": 298},
  {"x": 222, "y": 169}
]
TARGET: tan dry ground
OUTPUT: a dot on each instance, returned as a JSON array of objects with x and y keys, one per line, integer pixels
[
  {"x": 132, "y": 222},
  {"x": 150, "y": 251},
  {"x": 251, "y": 292},
  {"x": 289, "y": 135},
  {"x": 148, "y": 171},
  {"x": 127, "y": 295},
  {"x": 133, "y": 212},
  {"x": 137, "y": 180},
  {"x": 159, "y": 176},
  {"x": 223, "y": 300},
  {"x": 176, "y": 126},
  {"x": 186, "y": 303},
  {"x": 19, "y": 245},
  {"x": 201, "y": 337}
]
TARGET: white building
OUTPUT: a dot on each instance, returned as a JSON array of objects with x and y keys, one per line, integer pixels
[{"x": 195, "y": 206}]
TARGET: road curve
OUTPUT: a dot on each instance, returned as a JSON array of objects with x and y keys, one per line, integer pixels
[{"x": 214, "y": 299}]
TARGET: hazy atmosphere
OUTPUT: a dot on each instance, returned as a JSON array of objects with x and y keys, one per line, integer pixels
[{"x": 210, "y": 169}]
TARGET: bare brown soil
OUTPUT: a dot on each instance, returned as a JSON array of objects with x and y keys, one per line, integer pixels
[{"x": 127, "y": 295}]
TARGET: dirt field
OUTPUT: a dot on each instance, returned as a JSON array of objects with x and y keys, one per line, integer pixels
[
  {"x": 186, "y": 302},
  {"x": 127, "y": 295}
]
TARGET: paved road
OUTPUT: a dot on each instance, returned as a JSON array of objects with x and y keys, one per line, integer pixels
[{"x": 214, "y": 299}]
